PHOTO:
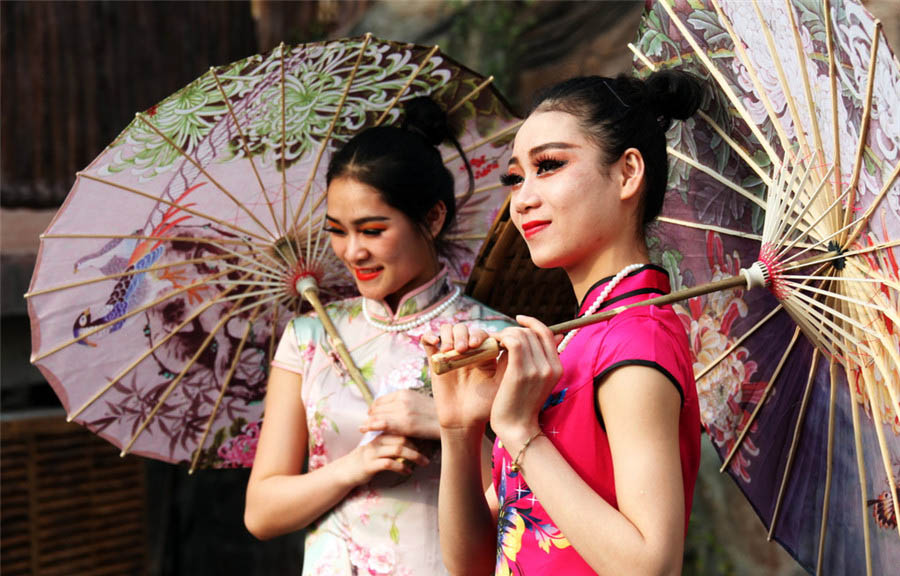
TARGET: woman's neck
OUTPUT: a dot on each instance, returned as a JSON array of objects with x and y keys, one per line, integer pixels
[
  {"x": 607, "y": 262},
  {"x": 393, "y": 300}
]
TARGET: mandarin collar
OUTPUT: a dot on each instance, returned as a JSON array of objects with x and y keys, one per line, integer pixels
[
  {"x": 414, "y": 303},
  {"x": 647, "y": 278}
]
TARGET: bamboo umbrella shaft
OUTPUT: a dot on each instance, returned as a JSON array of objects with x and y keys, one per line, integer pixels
[
  {"x": 311, "y": 293},
  {"x": 448, "y": 361}
]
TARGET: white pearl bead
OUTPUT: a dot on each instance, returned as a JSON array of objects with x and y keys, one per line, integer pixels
[
  {"x": 403, "y": 327},
  {"x": 599, "y": 300}
]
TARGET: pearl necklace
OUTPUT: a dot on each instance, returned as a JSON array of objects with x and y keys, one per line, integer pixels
[
  {"x": 403, "y": 327},
  {"x": 603, "y": 295}
]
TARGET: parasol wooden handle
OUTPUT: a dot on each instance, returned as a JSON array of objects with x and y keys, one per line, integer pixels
[
  {"x": 311, "y": 292},
  {"x": 444, "y": 362}
]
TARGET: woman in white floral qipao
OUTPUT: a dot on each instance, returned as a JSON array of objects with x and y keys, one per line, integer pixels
[{"x": 369, "y": 498}]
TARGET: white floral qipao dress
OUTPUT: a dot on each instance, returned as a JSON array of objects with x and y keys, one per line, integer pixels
[{"x": 375, "y": 529}]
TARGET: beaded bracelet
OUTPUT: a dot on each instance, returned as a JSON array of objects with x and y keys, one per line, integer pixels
[{"x": 514, "y": 467}]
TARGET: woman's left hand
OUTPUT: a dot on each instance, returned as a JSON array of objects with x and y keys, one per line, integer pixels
[
  {"x": 530, "y": 368},
  {"x": 405, "y": 413}
]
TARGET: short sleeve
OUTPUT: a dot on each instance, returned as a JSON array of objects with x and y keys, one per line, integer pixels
[
  {"x": 297, "y": 345},
  {"x": 645, "y": 339}
]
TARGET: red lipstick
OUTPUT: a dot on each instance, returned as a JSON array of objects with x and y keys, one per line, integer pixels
[
  {"x": 533, "y": 227},
  {"x": 366, "y": 274}
]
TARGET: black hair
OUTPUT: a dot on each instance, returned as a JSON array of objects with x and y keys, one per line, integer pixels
[
  {"x": 405, "y": 166},
  {"x": 627, "y": 112}
]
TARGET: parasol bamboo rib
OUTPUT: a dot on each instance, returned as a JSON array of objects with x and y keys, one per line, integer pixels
[
  {"x": 466, "y": 236},
  {"x": 810, "y": 104},
  {"x": 224, "y": 388},
  {"x": 861, "y": 470},
  {"x": 171, "y": 387},
  {"x": 737, "y": 148},
  {"x": 482, "y": 190},
  {"x": 193, "y": 239},
  {"x": 408, "y": 83},
  {"x": 181, "y": 207},
  {"x": 277, "y": 269},
  {"x": 202, "y": 282},
  {"x": 711, "y": 228},
  {"x": 785, "y": 263},
  {"x": 716, "y": 176},
  {"x": 267, "y": 292},
  {"x": 737, "y": 343},
  {"x": 475, "y": 91},
  {"x": 785, "y": 86},
  {"x": 486, "y": 140},
  {"x": 811, "y": 226},
  {"x": 871, "y": 210},
  {"x": 260, "y": 273},
  {"x": 832, "y": 81},
  {"x": 762, "y": 400},
  {"x": 829, "y": 458},
  {"x": 203, "y": 171},
  {"x": 284, "y": 193},
  {"x": 809, "y": 313},
  {"x": 774, "y": 216},
  {"x": 247, "y": 153},
  {"x": 879, "y": 433},
  {"x": 279, "y": 299},
  {"x": 134, "y": 364},
  {"x": 129, "y": 272},
  {"x": 886, "y": 311},
  {"x": 885, "y": 344},
  {"x": 759, "y": 91},
  {"x": 864, "y": 123},
  {"x": 842, "y": 255},
  {"x": 327, "y": 137},
  {"x": 801, "y": 417},
  {"x": 721, "y": 81},
  {"x": 889, "y": 282}
]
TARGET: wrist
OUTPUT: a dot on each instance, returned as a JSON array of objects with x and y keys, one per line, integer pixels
[{"x": 514, "y": 437}]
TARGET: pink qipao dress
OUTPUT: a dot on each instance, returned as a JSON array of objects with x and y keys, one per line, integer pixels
[
  {"x": 376, "y": 529},
  {"x": 528, "y": 541}
]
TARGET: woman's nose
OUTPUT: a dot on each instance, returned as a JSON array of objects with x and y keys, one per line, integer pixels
[
  {"x": 355, "y": 249},
  {"x": 524, "y": 198}
]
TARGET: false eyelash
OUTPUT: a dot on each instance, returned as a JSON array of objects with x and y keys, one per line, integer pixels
[
  {"x": 332, "y": 230},
  {"x": 510, "y": 179},
  {"x": 543, "y": 161}
]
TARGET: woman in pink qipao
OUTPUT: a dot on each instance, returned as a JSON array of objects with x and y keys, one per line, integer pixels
[
  {"x": 369, "y": 497},
  {"x": 598, "y": 435}
]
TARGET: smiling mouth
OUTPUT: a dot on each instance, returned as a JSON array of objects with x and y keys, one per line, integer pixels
[
  {"x": 529, "y": 229},
  {"x": 365, "y": 274}
]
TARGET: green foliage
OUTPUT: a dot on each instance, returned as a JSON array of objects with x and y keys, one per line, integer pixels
[{"x": 485, "y": 35}]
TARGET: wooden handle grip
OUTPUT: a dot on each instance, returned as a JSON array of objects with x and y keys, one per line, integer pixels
[{"x": 443, "y": 362}]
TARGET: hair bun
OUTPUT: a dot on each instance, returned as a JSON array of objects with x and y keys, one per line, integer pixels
[
  {"x": 425, "y": 117},
  {"x": 674, "y": 94}
]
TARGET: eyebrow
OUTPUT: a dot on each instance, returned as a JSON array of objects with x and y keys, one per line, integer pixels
[
  {"x": 360, "y": 221},
  {"x": 538, "y": 149}
]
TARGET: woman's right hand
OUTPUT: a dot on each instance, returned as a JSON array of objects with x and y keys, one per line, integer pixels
[
  {"x": 463, "y": 397},
  {"x": 386, "y": 453}
]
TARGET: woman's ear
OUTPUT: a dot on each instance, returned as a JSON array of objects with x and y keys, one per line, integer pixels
[
  {"x": 631, "y": 173},
  {"x": 435, "y": 218}
]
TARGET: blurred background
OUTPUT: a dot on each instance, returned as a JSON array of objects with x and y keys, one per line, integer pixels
[{"x": 72, "y": 76}]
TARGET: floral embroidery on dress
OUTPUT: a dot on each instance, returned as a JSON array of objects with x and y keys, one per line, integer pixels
[
  {"x": 317, "y": 423},
  {"x": 514, "y": 521}
]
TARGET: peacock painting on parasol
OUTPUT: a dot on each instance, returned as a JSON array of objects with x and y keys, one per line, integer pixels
[{"x": 165, "y": 279}]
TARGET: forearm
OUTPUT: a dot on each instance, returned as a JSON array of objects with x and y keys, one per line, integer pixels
[
  {"x": 467, "y": 527},
  {"x": 604, "y": 537},
  {"x": 280, "y": 504}
]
